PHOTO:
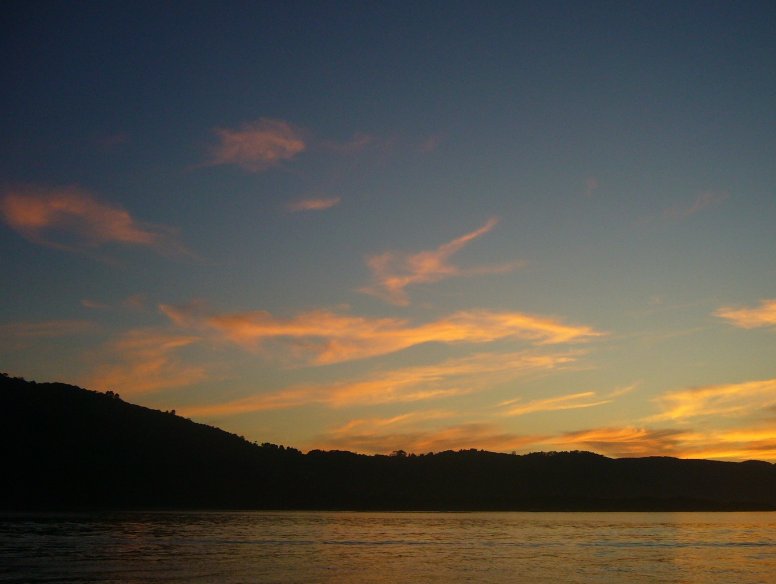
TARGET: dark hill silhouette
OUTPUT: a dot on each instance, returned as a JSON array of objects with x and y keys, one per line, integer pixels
[{"x": 64, "y": 447}]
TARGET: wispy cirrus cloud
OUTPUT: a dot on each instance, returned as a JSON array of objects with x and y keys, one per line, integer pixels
[
  {"x": 393, "y": 271},
  {"x": 625, "y": 442},
  {"x": 369, "y": 437},
  {"x": 146, "y": 360},
  {"x": 584, "y": 399},
  {"x": 358, "y": 143},
  {"x": 257, "y": 146},
  {"x": 21, "y": 335},
  {"x": 323, "y": 336},
  {"x": 315, "y": 204},
  {"x": 731, "y": 444},
  {"x": 702, "y": 201},
  {"x": 748, "y": 318},
  {"x": 734, "y": 444},
  {"x": 72, "y": 219},
  {"x": 404, "y": 385},
  {"x": 734, "y": 399}
]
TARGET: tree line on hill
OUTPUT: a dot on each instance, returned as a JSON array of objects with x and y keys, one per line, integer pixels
[{"x": 65, "y": 448}]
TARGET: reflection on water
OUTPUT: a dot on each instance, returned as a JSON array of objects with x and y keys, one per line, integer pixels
[{"x": 286, "y": 547}]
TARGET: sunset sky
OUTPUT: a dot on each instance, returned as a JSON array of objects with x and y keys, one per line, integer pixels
[{"x": 372, "y": 226}]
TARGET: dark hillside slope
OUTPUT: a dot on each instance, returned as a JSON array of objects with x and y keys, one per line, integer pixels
[{"x": 64, "y": 447}]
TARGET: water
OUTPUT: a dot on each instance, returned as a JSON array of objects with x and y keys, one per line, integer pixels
[{"x": 342, "y": 547}]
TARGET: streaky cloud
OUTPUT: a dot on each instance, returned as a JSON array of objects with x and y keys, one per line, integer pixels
[
  {"x": 734, "y": 399},
  {"x": 72, "y": 219},
  {"x": 257, "y": 146},
  {"x": 23, "y": 334},
  {"x": 749, "y": 318},
  {"x": 476, "y": 435},
  {"x": 393, "y": 271},
  {"x": 449, "y": 378},
  {"x": 702, "y": 201},
  {"x": 324, "y": 337},
  {"x": 146, "y": 360},
  {"x": 319, "y": 204},
  {"x": 586, "y": 399},
  {"x": 625, "y": 442}
]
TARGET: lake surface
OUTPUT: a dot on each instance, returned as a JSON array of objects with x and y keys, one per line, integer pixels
[{"x": 336, "y": 547}]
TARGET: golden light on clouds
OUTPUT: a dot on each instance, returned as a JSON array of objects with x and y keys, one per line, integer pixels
[
  {"x": 392, "y": 271},
  {"x": 144, "y": 361},
  {"x": 324, "y": 337},
  {"x": 385, "y": 436},
  {"x": 749, "y": 318},
  {"x": 450, "y": 378},
  {"x": 624, "y": 442},
  {"x": 585, "y": 399},
  {"x": 734, "y": 399}
]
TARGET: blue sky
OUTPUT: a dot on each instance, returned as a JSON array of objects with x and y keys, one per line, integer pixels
[{"x": 381, "y": 225}]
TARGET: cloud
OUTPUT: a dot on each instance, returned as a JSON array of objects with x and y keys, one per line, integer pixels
[
  {"x": 19, "y": 335},
  {"x": 717, "y": 400},
  {"x": 430, "y": 144},
  {"x": 586, "y": 399},
  {"x": 404, "y": 385},
  {"x": 734, "y": 444},
  {"x": 625, "y": 442},
  {"x": 257, "y": 146},
  {"x": 393, "y": 271},
  {"x": 591, "y": 186},
  {"x": 363, "y": 436},
  {"x": 356, "y": 144},
  {"x": 764, "y": 315},
  {"x": 72, "y": 219},
  {"x": 146, "y": 360},
  {"x": 314, "y": 204},
  {"x": 702, "y": 201},
  {"x": 324, "y": 337}
]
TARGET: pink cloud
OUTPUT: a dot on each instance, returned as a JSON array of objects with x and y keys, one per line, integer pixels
[
  {"x": 392, "y": 272},
  {"x": 320, "y": 204},
  {"x": 72, "y": 219},
  {"x": 257, "y": 146},
  {"x": 703, "y": 201}
]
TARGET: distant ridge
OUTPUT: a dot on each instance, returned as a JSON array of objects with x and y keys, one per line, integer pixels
[{"x": 66, "y": 448}]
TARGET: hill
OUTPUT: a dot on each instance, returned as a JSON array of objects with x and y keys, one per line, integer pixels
[{"x": 64, "y": 447}]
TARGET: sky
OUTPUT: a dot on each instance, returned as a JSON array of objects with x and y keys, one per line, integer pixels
[{"x": 419, "y": 226}]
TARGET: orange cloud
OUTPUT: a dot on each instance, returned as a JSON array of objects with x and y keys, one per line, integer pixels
[
  {"x": 586, "y": 399},
  {"x": 72, "y": 219},
  {"x": 624, "y": 442},
  {"x": 358, "y": 436},
  {"x": 327, "y": 337},
  {"x": 392, "y": 271},
  {"x": 257, "y": 146},
  {"x": 702, "y": 201},
  {"x": 736, "y": 444},
  {"x": 144, "y": 361},
  {"x": 764, "y": 315},
  {"x": 718, "y": 400},
  {"x": 406, "y": 385},
  {"x": 314, "y": 204}
]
